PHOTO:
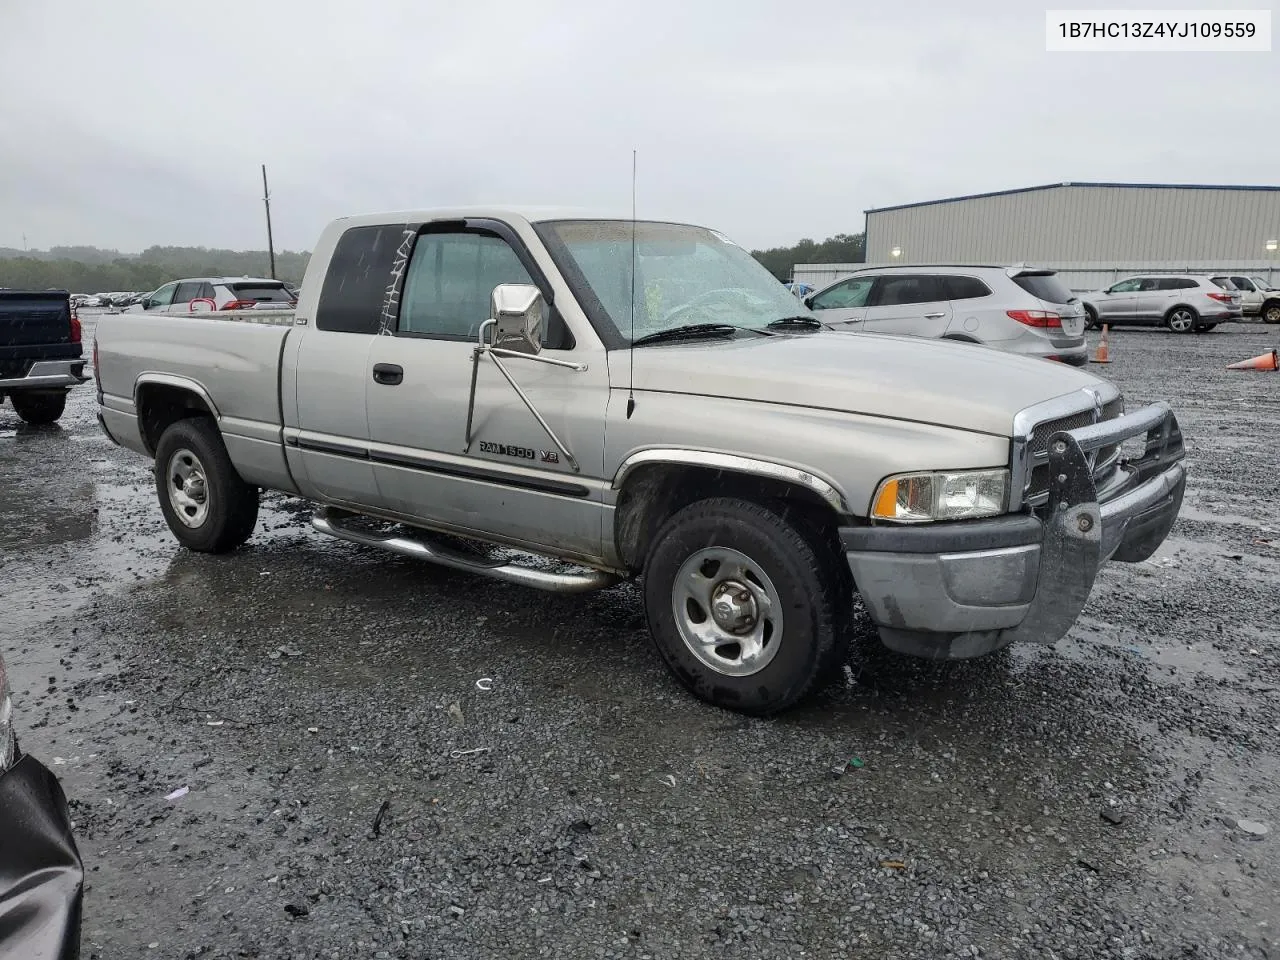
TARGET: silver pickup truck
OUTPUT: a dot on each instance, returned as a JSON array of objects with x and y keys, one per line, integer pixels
[{"x": 565, "y": 402}]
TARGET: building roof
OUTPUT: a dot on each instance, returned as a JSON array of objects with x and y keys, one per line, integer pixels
[{"x": 1070, "y": 183}]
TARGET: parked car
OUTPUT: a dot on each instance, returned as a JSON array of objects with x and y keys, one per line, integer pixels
[
  {"x": 1258, "y": 298},
  {"x": 41, "y": 356},
  {"x": 217, "y": 293},
  {"x": 1017, "y": 309},
  {"x": 502, "y": 379},
  {"x": 1185, "y": 303},
  {"x": 41, "y": 874}
]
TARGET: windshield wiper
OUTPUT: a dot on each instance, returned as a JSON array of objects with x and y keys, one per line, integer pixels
[
  {"x": 800, "y": 321},
  {"x": 691, "y": 331}
]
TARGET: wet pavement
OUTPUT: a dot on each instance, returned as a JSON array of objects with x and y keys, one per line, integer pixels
[{"x": 1081, "y": 801}]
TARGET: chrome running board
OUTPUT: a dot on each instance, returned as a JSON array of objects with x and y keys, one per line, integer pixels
[{"x": 334, "y": 523}]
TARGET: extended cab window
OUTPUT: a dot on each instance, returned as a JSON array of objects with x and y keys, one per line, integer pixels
[
  {"x": 355, "y": 285},
  {"x": 450, "y": 282},
  {"x": 849, "y": 293},
  {"x": 900, "y": 290}
]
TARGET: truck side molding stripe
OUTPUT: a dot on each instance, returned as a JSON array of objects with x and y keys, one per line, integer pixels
[
  {"x": 429, "y": 465},
  {"x": 725, "y": 461}
]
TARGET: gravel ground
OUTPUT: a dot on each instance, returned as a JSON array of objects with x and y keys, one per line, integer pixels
[{"x": 1079, "y": 801}]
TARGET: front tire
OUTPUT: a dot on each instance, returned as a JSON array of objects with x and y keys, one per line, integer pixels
[
  {"x": 1090, "y": 318},
  {"x": 747, "y": 610},
  {"x": 1182, "y": 320},
  {"x": 1271, "y": 311},
  {"x": 40, "y": 407},
  {"x": 206, "y": 504}
]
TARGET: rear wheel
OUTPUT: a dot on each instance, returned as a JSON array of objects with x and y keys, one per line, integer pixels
[
  {"x": 747, "y": 610},
  {"x": 39, "y": 406},
  {"x": 208, "y": 507},
  {"x": 1182, "y": 320},
  {"x": 1271, "y": 311}
]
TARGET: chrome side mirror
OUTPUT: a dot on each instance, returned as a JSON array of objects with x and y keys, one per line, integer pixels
[{"x": 519, "y": 315}]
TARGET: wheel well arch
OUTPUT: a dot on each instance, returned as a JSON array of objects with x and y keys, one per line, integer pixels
[
  {"x": 1180, "y": 306},
  {"x": 654, "y": 491},
  {"x": 160, "y": 404},
  {"x": 960, "y": 338}
]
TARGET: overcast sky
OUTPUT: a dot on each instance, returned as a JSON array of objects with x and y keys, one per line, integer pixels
[{"x": 133, "y": 122}]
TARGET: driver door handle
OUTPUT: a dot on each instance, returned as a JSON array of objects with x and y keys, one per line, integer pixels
[
  {"x": 934, "y": 316},
  {"x": 388, "y": 374}
]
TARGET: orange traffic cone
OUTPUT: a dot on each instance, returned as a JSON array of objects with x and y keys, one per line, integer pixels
[
  {"x": 1103, "y": 353},
  {"x": 1266, "y": 361}
]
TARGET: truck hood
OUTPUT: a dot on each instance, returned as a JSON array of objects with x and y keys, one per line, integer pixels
[{"x": 928, "y": 381}]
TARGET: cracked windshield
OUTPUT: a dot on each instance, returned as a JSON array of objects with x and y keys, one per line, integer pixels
[
  {"x": 683, "y": 275},
  {"x": 675, "y": 480}
]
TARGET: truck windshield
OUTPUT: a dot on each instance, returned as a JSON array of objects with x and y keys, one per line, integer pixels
[{"x": 684, "y": 275}]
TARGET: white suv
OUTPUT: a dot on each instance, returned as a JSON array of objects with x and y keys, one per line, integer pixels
[
  {"x": 202, "y": 294},
  {"x": 1183, "y": 302},
  {"x": 1017, "y": 309}
]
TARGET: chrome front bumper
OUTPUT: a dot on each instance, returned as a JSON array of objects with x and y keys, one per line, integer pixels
[
  {"x": 958, "y": 590},
  {"x": 47, "y": 374}
]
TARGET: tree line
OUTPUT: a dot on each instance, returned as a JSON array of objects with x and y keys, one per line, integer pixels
[
  {"x": 83, "y": 269},
  {"x": 93, "y": 270},
  {"x": 842, "y": 248}
]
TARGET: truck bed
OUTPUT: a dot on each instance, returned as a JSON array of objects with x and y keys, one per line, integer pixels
[{"x": 239, "y": 352}]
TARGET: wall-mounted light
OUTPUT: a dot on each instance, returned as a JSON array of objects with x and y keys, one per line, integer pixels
[
  {"x": 1272, "y": 245},
  {"x": 897, "y": 251}
]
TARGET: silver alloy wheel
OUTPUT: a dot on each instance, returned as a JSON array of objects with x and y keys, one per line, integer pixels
[
  {"x": 188, "y": 488},
  {"x": 727, "y": 611},
  {"x": 1272, "y": 314},
  {"x": 1181, "y": 320}
]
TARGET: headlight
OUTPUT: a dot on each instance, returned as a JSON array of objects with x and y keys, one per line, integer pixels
[
  {"x": 7, "y": 747},
  {"x": 921, "y": 497}
]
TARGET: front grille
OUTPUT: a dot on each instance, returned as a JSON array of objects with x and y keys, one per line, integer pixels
[{"x": 1039, "y": 446}]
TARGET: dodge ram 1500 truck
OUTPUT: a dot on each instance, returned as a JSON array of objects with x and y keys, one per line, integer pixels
[
  {"x": 643, "y": 400},
  {"x": 41, "y": 356}
]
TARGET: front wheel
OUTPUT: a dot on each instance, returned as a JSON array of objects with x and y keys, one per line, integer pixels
[
  {"x": 1182, "y": 320},
  {"x": 1090, "y": 318},
  {"x": 40, "y": 406},
  {"x": 747, "y": 610},
  {"x": 1271, "y": 311},
  {"x": 206, "y": 504}
]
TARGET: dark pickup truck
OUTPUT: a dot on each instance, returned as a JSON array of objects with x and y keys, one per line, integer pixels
[{"x": 41, "y": 356}]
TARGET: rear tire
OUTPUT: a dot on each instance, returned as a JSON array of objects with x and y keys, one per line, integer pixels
[
  {"x": 747, "y": 610},
  {"x": 206, "y": 504},
  {"x": 1271, "y": 312},
  {"x": 1182, "y": 320},
  {"x": 39, "y": 407}
]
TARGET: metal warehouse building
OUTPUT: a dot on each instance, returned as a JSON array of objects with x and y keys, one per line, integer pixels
[{"x": 1092, "y": 233}]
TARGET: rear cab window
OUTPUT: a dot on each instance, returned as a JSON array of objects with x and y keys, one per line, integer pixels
[
  {"x": 1046, "y": 287},
  {"x": 355, "y": 285}
]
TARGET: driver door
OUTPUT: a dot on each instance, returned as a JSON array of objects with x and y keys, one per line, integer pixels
[
  {"x": 513, "y": 482},
  {"x": 844, "y": 304},
  {"x": 1120, "y": 301}
]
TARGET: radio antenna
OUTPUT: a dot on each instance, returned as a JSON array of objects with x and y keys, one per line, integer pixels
[{"x": 631, "y": 385}]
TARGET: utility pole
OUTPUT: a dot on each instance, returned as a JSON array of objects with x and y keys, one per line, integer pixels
[{"x": 266, "y": 201}]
